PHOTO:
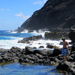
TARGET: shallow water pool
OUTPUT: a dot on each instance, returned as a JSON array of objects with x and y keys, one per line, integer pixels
[{"x": 26, "y": 69}]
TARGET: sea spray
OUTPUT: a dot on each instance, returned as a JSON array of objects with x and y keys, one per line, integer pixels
[{"x": 9, "y": 39}]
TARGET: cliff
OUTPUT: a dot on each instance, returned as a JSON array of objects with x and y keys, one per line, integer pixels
[
  {"x": 72, "y": 34},
  {"x": 54, "y": 15}
]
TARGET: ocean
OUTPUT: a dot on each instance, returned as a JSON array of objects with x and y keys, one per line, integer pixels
[{"x": 9, "y": 39}]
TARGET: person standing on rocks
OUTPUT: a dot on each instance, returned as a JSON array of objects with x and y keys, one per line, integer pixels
[{"x": 65, "y": 48}]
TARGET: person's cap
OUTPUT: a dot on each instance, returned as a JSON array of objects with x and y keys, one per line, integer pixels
[{"x": 63, "y": 38}]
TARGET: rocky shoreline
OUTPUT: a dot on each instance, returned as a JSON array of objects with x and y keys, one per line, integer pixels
[{"x": 44, "y": 56}]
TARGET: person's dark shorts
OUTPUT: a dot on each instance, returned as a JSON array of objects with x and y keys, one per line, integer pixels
[{"x": 64, "y": 52}]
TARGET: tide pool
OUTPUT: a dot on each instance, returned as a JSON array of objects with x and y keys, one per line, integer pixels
[{"x": 26, "y": 69}]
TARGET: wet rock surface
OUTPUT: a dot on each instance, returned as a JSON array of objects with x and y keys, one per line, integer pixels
[
  {"x": 28, "y": 55},
  {"x": 56, "y": 35},
  {"x": 26, "y": 40}
]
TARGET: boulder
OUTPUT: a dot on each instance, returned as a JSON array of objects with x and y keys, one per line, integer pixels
[
  {"x": 67, "y": 66},
  {"x": 16, "y": 59},
  {"x": 23, "y": 51},
  {"x": 26, "y": 60},
  {"x": 27, "y": 40},
  {"x": 39, "y": 61},
  {"x": 15, "y": 49},
  {"x": 37, "y": 37},
  {"x": 30, "y": 57},
  {"x": 39, "y": 56},
  {"x": 73, "y": 48},
  {"x": 63, "y": 66},
  {"x": 5, "y": 56},
  {"x": 44, "y": 52},
  {"x": 22, "y": 58},
  {"x": 23, "y": 41},
  {"x": 18, "y": 54},
  {"x": 1, "y": 59},
  {"x": 56, "y": 52},
  {"x": 74, "y": 58},
  {"x": 34, "y": 48},
  {"x": 70, "y": 59},
  {"x": 60, "y": 57},
  {"x": 29, "y": 50},
  {"x": 47, "y": 61},
  {"x": 49, "y": 46},
  {"x": 41, "y": 47}
]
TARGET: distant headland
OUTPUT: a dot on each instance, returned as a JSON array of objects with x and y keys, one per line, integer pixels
[{"x": 54, "y": 15}]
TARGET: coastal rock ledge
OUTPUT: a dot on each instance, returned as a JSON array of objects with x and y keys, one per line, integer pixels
[
  {"x": 46, "y": 57},
  {"x": 28, "y": 55}
]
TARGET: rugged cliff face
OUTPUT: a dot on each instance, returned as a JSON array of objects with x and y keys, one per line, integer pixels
[
  {"x": 54, "y": 15},
  {"x": 72, "y": 34}
]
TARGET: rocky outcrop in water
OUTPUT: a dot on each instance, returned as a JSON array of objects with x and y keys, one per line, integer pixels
[
  {"x": 54, "y": 15},
  {"x": 26, "y": 40},
  {"x": 56, "y": 35},
  {"x": 67, "y": 66}
]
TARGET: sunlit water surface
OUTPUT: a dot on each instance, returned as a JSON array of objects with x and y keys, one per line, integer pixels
[{"x": 25, "y": 69}]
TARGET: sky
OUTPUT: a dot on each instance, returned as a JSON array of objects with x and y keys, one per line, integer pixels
[{"x": 13, "y": 13}]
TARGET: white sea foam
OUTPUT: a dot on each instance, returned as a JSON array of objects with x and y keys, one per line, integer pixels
[
  {"x": 7, "y": 44},
  {"x": 13, "y": 31},
  {"x": 40, "y": 32},
  {"x": 25, "y": 31},
  {"x": 34, "y": 31}
]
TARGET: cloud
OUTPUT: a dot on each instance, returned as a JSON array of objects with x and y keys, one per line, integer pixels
[
  {"x": 19, "y": 15},
  {"x": 7, "y": 9},
  {"x": 2, "y": 9},
  {"x": 22, "y": 16},
  {"x": 40, "y": 2}
]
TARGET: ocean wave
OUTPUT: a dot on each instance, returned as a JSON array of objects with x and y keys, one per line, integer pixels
[
  {"x": 7, "y": 44},
  {"x": 8, "y": 40},
  {"x": 39, "y": 32},
  {"x": 25, "y": 31}
]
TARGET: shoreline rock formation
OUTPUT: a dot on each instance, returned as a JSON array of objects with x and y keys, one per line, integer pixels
[
  {"x": 26, "y": 40},
  {"x": 46, "y": 57},
  {"x": 55, "y": 35},
  {"x": 28, "y": 55}
]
